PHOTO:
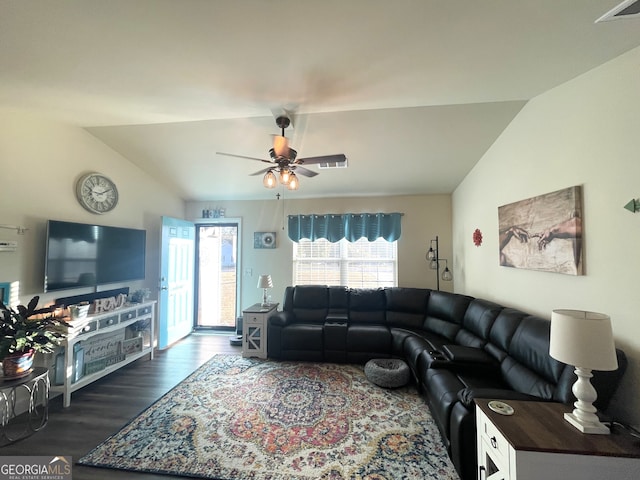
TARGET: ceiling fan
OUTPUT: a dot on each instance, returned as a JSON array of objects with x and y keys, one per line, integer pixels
[{"x": 285, "y": 162}]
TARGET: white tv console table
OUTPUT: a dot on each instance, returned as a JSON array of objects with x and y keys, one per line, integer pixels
[{"x": 121, "y": 346}]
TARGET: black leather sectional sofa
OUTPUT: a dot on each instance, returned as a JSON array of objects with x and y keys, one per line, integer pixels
[{"x": 458, "y": 348}]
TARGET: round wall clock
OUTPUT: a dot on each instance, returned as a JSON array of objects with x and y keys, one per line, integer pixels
[{"x": 97, "y": 193}]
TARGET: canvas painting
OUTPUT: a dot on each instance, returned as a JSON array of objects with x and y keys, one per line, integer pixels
[{"x": 543, "y": 233}]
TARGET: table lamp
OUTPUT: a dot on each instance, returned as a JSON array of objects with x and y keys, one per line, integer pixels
[
  {"x": 264, "y": 282},
  {"x": 584, "y": 340}
]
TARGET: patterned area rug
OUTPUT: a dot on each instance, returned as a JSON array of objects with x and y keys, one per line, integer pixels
[{"x": 238, "y": 418}]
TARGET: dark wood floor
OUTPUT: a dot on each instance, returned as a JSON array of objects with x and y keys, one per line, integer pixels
[{"x": 105, "y": 406}]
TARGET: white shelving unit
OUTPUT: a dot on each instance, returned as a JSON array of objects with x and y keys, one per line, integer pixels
[{"x": 86, "y": 330}]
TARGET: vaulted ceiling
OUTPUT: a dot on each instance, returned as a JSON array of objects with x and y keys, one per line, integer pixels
[{"x": 413, "y": 92}]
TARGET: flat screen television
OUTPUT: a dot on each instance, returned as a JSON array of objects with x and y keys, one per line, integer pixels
[{"x": 84, "y": 255}]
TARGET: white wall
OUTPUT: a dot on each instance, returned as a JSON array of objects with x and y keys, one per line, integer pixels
[
  {"x": 424, "y": 217},
  {"x": 581, "y": 133},
  {"x": 40, "y": 161}
]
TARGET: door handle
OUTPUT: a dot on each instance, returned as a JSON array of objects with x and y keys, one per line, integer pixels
[{"x": 164, "y": 288}]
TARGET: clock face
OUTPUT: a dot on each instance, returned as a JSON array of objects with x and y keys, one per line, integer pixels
[{"x": 97, "y": 193}]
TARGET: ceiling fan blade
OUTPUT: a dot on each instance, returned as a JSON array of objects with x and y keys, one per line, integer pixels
[
  {"x": 339, "y": 158},
  {"x": 260, "y": 172},
  {"x": 243, "y": 156},
  {"x": 304, "y": 171}
]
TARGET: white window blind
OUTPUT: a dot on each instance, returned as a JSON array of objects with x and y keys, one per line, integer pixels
[{"x": 360, "y": 264}]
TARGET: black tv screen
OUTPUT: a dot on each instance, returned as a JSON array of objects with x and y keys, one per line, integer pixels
[{"x": 83, "y": 255}]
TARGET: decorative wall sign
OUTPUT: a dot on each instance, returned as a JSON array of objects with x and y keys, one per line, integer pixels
[
  {"x": 102, "y": 305},
  {"x": 264, "y": 240},
  {"x": 543, "y": 233}
]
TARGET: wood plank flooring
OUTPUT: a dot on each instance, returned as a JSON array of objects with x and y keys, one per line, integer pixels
[{"x": 105, "y": 406}]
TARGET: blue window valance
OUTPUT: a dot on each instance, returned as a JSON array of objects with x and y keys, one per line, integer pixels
[{"x": 352, "y": 226}]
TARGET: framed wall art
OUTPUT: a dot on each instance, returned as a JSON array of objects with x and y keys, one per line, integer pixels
[
  {"x": 264, "y": 240},
  {"x": 543, "y": 233}
]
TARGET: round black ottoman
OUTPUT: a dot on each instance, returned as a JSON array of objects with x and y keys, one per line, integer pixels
[{"x": 387, "y": 372}]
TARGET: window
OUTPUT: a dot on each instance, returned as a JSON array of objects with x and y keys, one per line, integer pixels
[{"x": 360, "y": 264}]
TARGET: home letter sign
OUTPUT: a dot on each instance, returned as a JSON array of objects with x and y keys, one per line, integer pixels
[{"x": 102, "y": 305}]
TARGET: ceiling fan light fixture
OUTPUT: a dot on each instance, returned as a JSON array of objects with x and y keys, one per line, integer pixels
[
  {"x": 281, "y": 146},
  {"x": 293, "y": 182},
  {"x": 270, "y": 180},
  {"x": 285, "y": 176}
]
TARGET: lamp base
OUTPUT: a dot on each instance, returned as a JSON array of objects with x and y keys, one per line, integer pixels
[
  {"x": 584, "y": 416},
  {"x": 587, "y": 427}
]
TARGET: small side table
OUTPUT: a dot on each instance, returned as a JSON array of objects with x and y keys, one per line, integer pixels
[
  {"x": 254, "y": 329},
  {"x": 536, "y": 442},
  {"x": 34, "y": 389}
]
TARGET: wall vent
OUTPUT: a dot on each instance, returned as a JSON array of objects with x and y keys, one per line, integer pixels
[
  {"x": 627, "y": 9},
  {"x": 344, "y": 164}
]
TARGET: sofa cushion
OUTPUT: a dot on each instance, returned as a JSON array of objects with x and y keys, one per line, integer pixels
[
  {"x": 302, "y": 337},
  {"x": 310, "y": 303},
  {"x": 445, "y": 312},
  {"x": 529, "y": 368},
  {"x": 406, "y": 307},
  {"x": 299, "y": 342},
  {"x": 502, "y": 330},
  {"x": 367, "y": 305},
  {"x": 477, "y": 322},
  {"x": 369, "y": 338}
]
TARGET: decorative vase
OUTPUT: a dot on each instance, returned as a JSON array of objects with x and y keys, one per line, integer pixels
[{"x": 16, "y": 365}]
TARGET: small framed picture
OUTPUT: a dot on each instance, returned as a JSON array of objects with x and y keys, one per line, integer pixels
[{"x": 264, "y": 240}]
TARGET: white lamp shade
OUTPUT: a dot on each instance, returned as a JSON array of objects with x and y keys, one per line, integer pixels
[
  {"x": 265, "y": 281},
  {"x": 582, "y": 339}
]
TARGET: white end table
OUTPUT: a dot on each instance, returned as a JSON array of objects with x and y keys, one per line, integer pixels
[
  {"x": 254, "y": 329},
  {"x": 537, "y": 443}
]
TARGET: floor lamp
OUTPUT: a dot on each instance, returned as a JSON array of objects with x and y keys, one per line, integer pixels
[{"x": 434, "y": 263}]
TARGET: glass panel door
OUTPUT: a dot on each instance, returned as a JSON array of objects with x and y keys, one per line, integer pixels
[{"x": 217, "y": 274}]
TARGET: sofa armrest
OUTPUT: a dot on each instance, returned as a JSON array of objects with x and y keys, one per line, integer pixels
[
  {"x": 281, "y": 318},
  {"x": 333, "y": 317},
  {"x": 466, "y": 396},
  {"x": 463, "y": 354},
  {"x": 459, "y": 358}
]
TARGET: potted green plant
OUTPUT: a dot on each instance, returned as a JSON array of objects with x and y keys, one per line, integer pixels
[{"x": 24, "y": 331}]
